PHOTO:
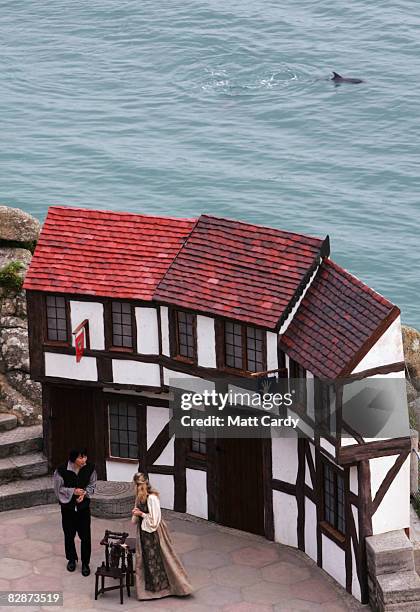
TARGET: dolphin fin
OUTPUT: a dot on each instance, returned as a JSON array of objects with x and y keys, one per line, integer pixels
[{"x": 336, "y": 75}]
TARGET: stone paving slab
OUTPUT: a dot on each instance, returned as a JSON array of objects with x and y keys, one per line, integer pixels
[{"x": 215, "y": 557}]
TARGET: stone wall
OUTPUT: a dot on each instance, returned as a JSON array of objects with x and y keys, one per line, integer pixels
[
  {"x": 411, "y": 340},
  {"x": 18, "y": 394},
  {"x": 393, "y": 581}
]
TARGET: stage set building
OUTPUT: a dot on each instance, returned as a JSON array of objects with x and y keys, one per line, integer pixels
[{"x": 162, "y": 298}]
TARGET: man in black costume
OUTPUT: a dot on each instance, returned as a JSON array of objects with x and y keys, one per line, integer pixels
[{"x": 74, "y": 483}]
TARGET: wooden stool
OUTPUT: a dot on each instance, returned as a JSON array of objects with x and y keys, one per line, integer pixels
[{"x": 118, "y": 565}]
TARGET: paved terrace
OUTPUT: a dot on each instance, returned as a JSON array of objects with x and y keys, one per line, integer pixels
[{"x": 230, "y": 570}]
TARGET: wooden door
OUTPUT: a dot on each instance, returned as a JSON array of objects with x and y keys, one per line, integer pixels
[
  {"x": 72, "y": 422},
  {"x": 240, "y": 502}
]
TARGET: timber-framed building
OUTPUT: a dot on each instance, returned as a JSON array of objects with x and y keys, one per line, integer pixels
[{"x": 164, "y": 297}]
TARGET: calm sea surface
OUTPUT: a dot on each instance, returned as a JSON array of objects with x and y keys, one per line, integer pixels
[{"x": 186, "y": 107}]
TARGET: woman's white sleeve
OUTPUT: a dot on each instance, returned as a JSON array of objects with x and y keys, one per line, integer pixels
[{"x": 151, "y": 521}]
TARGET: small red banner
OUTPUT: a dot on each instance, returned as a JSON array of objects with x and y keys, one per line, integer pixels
[{"x": 80, "y": 344}]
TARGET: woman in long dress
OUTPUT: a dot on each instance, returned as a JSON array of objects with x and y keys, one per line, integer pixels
[{"x": 159, "y": 572}]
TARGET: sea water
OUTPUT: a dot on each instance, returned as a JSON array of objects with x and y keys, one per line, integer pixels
[{"x": 185, "y": 107}]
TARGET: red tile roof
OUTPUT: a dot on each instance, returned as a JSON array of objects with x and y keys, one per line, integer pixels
[
  {"x": 335, "y": 321},
  {"x": 238, "y": 270},
  {"x": 225, "y": 267},
  {"x": 104, "y": 253}
]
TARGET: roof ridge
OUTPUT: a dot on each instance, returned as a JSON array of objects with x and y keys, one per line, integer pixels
[
  {"x": 117, "y": 212},
  {"x": 257, "y": 225}
]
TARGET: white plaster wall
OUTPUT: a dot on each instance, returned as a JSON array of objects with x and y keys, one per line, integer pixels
[
  {"x": 206, "y": 342},
  {"x": 356, "y": 518},
  {"x": 388, "y": 349},
  {"x": 285, "y": 459},
  {"x": 147, "y": 331},
  {"x": 197, "y": 493},
  {"x": 327, "y": 446},
  {"x": 394, "y": 510},
  {"x": 285, "y": 518},
  {"x": 354, "y": 482},
  {"x": 164, "y": 324},
  {"x": 65, "y": 366},
  {"x": 272, "y": 362},
  {"x": 157, "y": 417},
  {"x": 164, "y": 483},
  {"x": 308, "y": 479},
  {"x": 355, "y": 584},
  {"x": 94, "y": 312},
  {"x": 119, "y": 471},
  {"x": 310, "y": 529},
  {"x": 128, "y": 372},
  {"x": 304, "y": 427},
  {"x": 334, "y": 560},
  {"x": 346, "y": 439},
  {"x": 184, "y": 381}
]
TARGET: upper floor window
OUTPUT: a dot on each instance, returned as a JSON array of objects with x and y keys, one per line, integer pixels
[
  {"x": 244, "y": 347},
  {"x": 56, "y": 318},
  {"x": 122, "y": 325},
  {"x": 185, "y": 341},
  {"x": 334, "y": 498}
]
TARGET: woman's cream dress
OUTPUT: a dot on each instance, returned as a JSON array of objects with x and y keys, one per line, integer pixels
[{"x": 159, "y": 572}]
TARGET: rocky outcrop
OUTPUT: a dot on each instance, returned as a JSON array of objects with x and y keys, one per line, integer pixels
[
  {"x": 19, "y": 395},
  {"x": 411, "y": 342},
  {"x": 17, "y": 225}
]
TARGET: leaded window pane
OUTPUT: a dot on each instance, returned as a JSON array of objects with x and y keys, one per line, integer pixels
[
  {"x": 123, "y": 429},
  {"x": 254, "y": 343},
  {"x": 185, "y": 334},
  {"x": 56, "y": 318},
  {"x": 122, "y": 326}
]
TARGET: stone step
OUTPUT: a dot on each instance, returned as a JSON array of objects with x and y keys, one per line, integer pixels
[
  {"x": 7, "y": 422},
  {"x": 23, "y": 467},
  {"x": 389, "y": 552},
  {"x": 27, "y": 493},
  {"x": 20, "y": 440},
  {"x": 399, "y": 588}
]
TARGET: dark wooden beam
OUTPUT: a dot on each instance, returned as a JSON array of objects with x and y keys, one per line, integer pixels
[
  {"x": 268, "y": 491},
  {"x": 283, "y": 486},
  {"x": 354, "y": 453},
  {"x": 159, "y": 444},
  {"x": 388, "y": 480},
  {"x": 398, "y": 366},
  {"x": 300, "y": 494},
  {"x": 310, "y": 461},
  {"x": 365, "y": 522}
]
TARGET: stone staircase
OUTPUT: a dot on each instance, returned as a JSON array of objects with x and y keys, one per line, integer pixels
[
  {"x": 393, "y": 581},
  {"x": 23, "y": 468}
]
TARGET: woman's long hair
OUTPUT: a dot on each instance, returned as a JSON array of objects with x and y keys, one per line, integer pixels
[{"x": 143, "y": 487}]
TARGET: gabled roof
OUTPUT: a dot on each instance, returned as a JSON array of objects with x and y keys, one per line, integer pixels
[
  {"x": 239, "y": 270},
  {"x": 217, "y": 266},
  {"x": 336, "y": 322},
  {"x": 104, "y": 253}
]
